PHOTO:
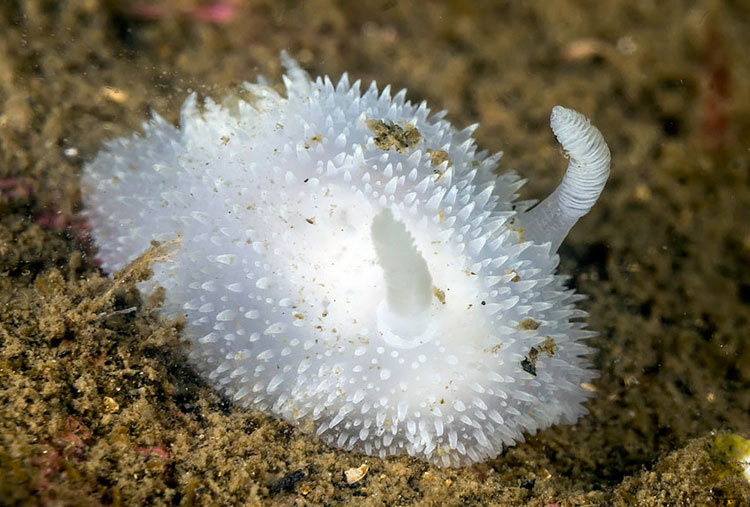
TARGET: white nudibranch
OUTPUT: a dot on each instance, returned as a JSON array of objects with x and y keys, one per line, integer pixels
[{"x": 351, "y": 263}]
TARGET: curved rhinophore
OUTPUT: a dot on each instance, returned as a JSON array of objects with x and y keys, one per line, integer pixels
[{"x": 588, "y": 169}]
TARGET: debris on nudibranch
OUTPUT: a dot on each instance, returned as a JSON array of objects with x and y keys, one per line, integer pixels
[{"x": 350, "y": 262}]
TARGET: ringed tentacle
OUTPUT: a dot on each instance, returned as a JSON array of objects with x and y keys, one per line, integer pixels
[{"x": 583, "y": 182}]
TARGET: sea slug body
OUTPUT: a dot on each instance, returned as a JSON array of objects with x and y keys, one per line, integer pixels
[{"x": 350, "y": 262}]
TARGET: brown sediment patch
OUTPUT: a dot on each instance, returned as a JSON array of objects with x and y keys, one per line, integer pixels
[{"x": 389, "y": 135}]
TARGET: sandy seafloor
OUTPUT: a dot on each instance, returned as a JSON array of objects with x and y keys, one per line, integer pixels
[{"x": 99, "y": 407}]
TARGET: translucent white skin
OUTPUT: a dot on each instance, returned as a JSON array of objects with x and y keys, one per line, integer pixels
[
  {"x": 296, "y": 231},
  {"x": 582, "y": 184}
]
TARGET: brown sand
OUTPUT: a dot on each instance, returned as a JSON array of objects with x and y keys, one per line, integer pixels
[{"x": 97, "y": 405}]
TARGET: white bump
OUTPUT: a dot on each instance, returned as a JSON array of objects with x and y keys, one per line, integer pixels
[
  {"x": 226, "y": 315},
  {"x": 275, "y": 328},
  {"x": 226, "y": 259}
]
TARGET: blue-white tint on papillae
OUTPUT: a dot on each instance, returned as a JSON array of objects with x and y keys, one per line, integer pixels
[{"x": 350, "y": 260}]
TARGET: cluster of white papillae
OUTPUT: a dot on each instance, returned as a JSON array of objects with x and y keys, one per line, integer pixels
[{"x": 351, "y": 263}]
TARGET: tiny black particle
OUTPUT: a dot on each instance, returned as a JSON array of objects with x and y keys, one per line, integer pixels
[
  {"x": 528, "y": 366},
  {"x": 287, "y": 483}
]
